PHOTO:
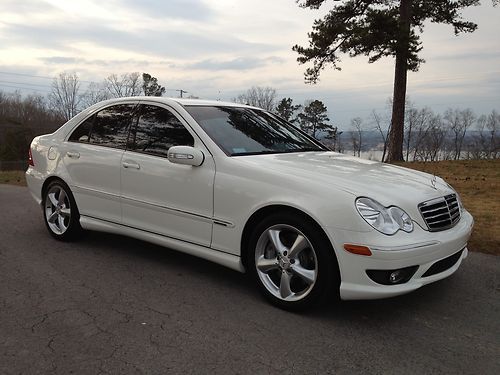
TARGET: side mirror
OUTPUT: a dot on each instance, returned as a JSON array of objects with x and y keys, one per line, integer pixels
[{"x": 185, "y": 155}]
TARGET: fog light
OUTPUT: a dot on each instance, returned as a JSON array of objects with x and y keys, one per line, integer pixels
[
  {"x": 392, "y": 277},
  {"x": 396, "y": 276}
]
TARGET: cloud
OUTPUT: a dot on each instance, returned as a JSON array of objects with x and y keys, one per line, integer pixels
[
  {"x": 167, "y": 43},
  {"x": 26, "y": 7},
  {"x": 193, "y": 10},
  {"x": 66, "y": 60},
  {"x": 240, "y": 63},
  {"x": 468, "y": 56}
]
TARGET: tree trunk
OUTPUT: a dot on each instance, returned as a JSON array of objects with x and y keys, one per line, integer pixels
[{"x": 396, "y": 135}]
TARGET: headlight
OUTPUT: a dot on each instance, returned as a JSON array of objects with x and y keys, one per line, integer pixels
[{"x": 387, "y": 220}]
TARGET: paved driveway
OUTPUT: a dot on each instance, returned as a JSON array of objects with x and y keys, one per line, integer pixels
[{"x": 109, "y": 304}]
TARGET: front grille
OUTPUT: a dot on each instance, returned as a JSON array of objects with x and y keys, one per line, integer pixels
[
  {"x": 443, "y": 264},
  {"x": 440, "y": 213}
]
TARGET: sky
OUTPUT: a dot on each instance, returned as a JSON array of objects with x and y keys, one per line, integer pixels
[{"x": 217, "y": 49}]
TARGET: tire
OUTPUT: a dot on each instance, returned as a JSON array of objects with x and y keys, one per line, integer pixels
[
  {"x": 293, "y": 262},
  {"x": 60, "y": 212}
]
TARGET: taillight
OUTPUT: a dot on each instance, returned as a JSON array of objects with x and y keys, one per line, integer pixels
[{"x": 30, "y": 158}]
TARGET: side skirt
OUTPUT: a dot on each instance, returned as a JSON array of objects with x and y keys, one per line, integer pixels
[{"x": 219, "y": 257}]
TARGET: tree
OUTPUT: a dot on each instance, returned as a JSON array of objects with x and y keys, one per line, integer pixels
[
  {"x": 493, "y": 126},
  {"x": 286, "y": 109},
  {"x": 377, "y": 121},
  {"x": 262, "y": 97},
  {"x": 356, "y": 133},
  {"x": 150, "y": 85},
  {"x": 127, "y": 84},
  {"x": 314, "y": 117},
  {"x": 95, "y": 93},
  {"x": 379, "y": 28},
  {"x": 65, "y": 97},
  {"x": 458, "y": 121}
]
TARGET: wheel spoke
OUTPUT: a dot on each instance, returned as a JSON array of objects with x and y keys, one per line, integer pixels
[
  {"x": 285, "y": 290},
  {"x": 266, "y": 265},
  {"x": 62, "y": 196},
  {"x": 309, "y": 276},
  {"x": 60, "y": 222},
  {"x": 300, "y": 244},
  {"x": 52, "y": 199},
  {"x": 65, "y": 212},
  {"x": 274, "y": 236},
  {"x": 53, "y": 217}
]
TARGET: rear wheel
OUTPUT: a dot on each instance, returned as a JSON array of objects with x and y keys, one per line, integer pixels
[
  {"x": 60, "y": 212},
  {"x": 292, "y": 262}
]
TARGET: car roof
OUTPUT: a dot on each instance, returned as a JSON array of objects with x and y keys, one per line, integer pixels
[{"x": 181, "y": 101}]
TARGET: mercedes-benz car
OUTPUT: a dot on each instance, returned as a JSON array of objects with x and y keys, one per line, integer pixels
[{"x": 242, "y": 187}]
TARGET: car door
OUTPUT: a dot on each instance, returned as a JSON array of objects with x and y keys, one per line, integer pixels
[
  {"x": 92, "y": 158},
  {"x": 161, "y": 197}
]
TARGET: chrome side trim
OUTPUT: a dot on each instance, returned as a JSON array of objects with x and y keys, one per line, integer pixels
[
  {"x": 95, "y": 191},
  {"x": 223, "y": 223},
  {"x": 174, "y": 210}
]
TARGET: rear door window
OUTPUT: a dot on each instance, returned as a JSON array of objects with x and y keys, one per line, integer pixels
[
  {"x": 82, "y": 132},
  {"x": 111, "y": 126}
]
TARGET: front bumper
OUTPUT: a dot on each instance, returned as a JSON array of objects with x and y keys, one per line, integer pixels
[{"x": 419, "y": 248}]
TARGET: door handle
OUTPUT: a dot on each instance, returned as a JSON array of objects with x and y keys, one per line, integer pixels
[
  {"x": 73, "y": 154},
  {"x": 131, "y": 165}
]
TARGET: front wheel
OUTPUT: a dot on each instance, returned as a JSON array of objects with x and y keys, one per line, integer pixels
[
  {"x": 292, "y": 262},
  {"x": 60, "y": 212}
]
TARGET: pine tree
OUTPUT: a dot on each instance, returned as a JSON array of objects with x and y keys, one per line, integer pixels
[
  {"x": 286, "y": 109},
  {"x": 378, "y": 28},
  {"x": 313, "y": 119},
  {"x": 150, "y": 85}
]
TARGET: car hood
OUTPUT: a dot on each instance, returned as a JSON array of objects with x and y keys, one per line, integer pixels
[{"x": 386, "y": 183}]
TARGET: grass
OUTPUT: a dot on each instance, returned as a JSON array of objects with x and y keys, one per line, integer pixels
[{"x": 477, "y": 182}]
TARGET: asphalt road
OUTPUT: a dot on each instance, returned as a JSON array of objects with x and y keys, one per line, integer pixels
[{"x": 109, "y": 304}]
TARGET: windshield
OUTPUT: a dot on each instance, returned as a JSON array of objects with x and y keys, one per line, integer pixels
[{"x": 246, "y": 131}]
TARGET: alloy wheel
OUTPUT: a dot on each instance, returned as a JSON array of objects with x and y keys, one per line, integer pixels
[
  {"x": 286, "y": 262},
  {"x": 57, "y": 209}
]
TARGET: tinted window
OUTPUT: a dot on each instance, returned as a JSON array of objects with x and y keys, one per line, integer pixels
[
  {"x": 157, "y": 130},
  {"x": 245, "y": 131},
  {"x": 82, "y": 132},
  {"x": 111, "y": 126}
]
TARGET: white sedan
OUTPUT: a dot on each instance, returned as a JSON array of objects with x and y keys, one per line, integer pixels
[{"x": 243, "y": 188}]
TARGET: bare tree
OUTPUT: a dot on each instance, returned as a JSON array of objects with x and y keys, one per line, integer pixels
[
  {"x": 421, "y": 128},
  {"x": 433, "y": 140},
  {"x": 458, "y": 121},
  {"x": 262, "y": 97},
  {"x": 356, "y": 125},
  {"x": 377, "y": 121},
  {"x": 127, "y": 84},
  {"x": 493, "y": 126},
  {"x": 21, "y": 119},
  {"x": 95, "y": 93},
  {"x": 65, "y": 98}
]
